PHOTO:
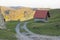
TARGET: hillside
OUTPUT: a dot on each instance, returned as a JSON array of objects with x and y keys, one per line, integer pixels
[
  {"x": 13, "y": 13},
  {"x": 52, "y": 27}
]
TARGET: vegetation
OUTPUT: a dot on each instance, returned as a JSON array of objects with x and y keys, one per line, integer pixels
[
  {"x": 52, "y": 27},
  {"x": 21, "y": 27},
  {"x": 9, "y": 33}
]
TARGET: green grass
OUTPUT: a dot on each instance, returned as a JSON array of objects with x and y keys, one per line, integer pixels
[
  {"x": 52, "y": 27},
  {"x": 21, "y": 29},
  {"x": 9, "y": 33}
]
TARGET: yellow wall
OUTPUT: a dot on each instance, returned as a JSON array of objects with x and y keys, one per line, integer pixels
[{"x": 17, "y": 14}]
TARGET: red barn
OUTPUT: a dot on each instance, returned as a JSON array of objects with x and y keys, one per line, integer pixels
[{"x": 41, "y": 15}]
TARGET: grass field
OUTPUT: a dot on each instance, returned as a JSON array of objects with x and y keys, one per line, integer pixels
[
  {"x": 9, "y": 33},
  {"x": 52, "y": 27}
]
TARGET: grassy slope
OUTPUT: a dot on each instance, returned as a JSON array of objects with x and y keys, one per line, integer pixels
[
  {"x": 50, "y": 28},
  {"x": 9, "y": 33}
]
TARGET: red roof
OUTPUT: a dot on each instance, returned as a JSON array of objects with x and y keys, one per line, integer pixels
[{"x": 40, "y": 14}]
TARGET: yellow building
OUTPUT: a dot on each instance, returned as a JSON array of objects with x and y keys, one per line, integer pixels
[{"x": 21, "y": 14}]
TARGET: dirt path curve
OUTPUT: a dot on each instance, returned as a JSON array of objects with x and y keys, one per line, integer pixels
[
  {"x": 19, "y": 35},
  {"x": 39, "y": 37}
]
